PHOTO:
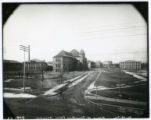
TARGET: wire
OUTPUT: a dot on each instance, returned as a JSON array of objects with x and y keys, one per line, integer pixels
[
  {"x": 114, "y": 29},
  {"x": 97, "y": 37}
]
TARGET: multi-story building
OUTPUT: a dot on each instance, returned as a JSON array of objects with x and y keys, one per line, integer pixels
[
  {"x": 35, "y": 65},
  {"x": 69, "y": 61},
  {"x": 130, "y": 65}
]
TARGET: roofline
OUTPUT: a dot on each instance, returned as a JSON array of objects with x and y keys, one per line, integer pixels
[
  {"x": 130, "y": 61},
  {"x": 64, "y": 56}
]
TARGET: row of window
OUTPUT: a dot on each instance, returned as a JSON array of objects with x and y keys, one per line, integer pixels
[
  {"x": 33, "y": 68},
  {"x": 57, "y": 65},
  {"x": 57, "y": 70},
  {"x": 130, "y": 65},
  {"x": 137, "y": 63},
  {"x": 58, "y": 60}
]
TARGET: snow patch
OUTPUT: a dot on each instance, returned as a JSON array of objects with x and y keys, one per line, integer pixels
[
  {"x": 20, "y": 95},
  {"x": 77, "y": 81},
  {"x": 135, "y": 75},
  {"x": 18, "y": 89},
  {"x": 74, "y": 82},
  {"x": 8, "y": 80},
  {"x": 52, "y": 91},
  {"x": 73, "y": 79}
]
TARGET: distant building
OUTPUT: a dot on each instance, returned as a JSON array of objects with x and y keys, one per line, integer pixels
[
  {"x": 49, "y": 66},
  {"x": 115, "y": 65},
  {"x": 98, "y": 64},
  {"x": 12, "y": 68},
  {"x": 35, "y": 65},
  {"x": 69, "y": 61},
  {"x": 81, "y": 59},
  {"x": 12, "y": 65},
  {"x": 144, "y": 66},
  {"x": 91, "y": 64},
  {"x": 107, "y": 64},
  {"x": 130, "y": 65}
]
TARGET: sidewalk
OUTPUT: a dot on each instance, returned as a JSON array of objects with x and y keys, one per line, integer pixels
[
  {"x": 135, "y": 75},
  {"x": 69, "y": 83}
]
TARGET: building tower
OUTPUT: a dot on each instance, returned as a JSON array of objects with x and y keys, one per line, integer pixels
[{"x": 82, "y": 56}]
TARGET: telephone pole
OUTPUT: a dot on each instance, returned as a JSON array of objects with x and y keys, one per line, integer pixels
[
  {"x": 24, "y": 49},
  {"x": 28, "y": 52}
]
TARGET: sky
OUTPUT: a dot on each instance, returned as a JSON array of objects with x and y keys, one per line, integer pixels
[{"x": 105, "y": 32}]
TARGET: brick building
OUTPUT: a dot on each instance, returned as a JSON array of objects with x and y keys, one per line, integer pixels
[{"x": 69, "y": 61}]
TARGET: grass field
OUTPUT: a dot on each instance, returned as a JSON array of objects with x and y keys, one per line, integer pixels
[
  {"x": 56, "y": 106},
  {"x": 126, "y": 110},
  {"x": 113, "y": 78},
  {"x": 137, "y": 93},
  {"x": 35, "y": 83},
  {"x": 44, "y": 107}
]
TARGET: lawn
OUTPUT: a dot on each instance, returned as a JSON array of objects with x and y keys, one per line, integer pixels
[
  {"x": 137, "y": 93},
  {"x": 114, "y": 78},
  {"x": 43, "y": 107},
  {"x": 125, "y": 109},
  {"x": 35, "y": 83}
]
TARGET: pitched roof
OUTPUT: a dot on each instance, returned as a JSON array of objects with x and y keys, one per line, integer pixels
[
  {"x": 75, "y": 53},
  {"x": 36, "y": 60},
  {"x": 11, "y": 61},
  {"x": 64, "y": 54}
]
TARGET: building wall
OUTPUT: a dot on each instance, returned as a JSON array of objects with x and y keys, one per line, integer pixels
[
  {"x": 130, "y": 65},
  {"x": 63, "y": 64},
  {"x": 35, "y": 66},
  {"x": 11, "y": 69},
  {"x": 68, "y": 63},
  {"x": 8, "y": 66},
  {"x": 57, "y": 64},
  {"x": 107, "y": 64},
  {"x": 91, "y": 65}
]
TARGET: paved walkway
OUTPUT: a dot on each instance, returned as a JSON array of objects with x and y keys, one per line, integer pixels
[
  {"x": 135, "y": 75},
  {"x": 73, "y": 81}
]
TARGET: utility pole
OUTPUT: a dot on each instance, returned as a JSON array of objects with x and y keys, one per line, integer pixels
[
  {"x": 28, "y": 52},
  {"x": 24, "y": 49},
  {"x": 120, "y": 95},
  {"x": 96, "y": 91},
  {"x": 61, "y": 76},
  {"x": 42, "y": 75},
  {"x": 119, "y": 86}
]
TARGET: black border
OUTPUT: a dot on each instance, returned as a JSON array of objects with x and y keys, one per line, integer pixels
[{"x": 9, "y": 7}]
